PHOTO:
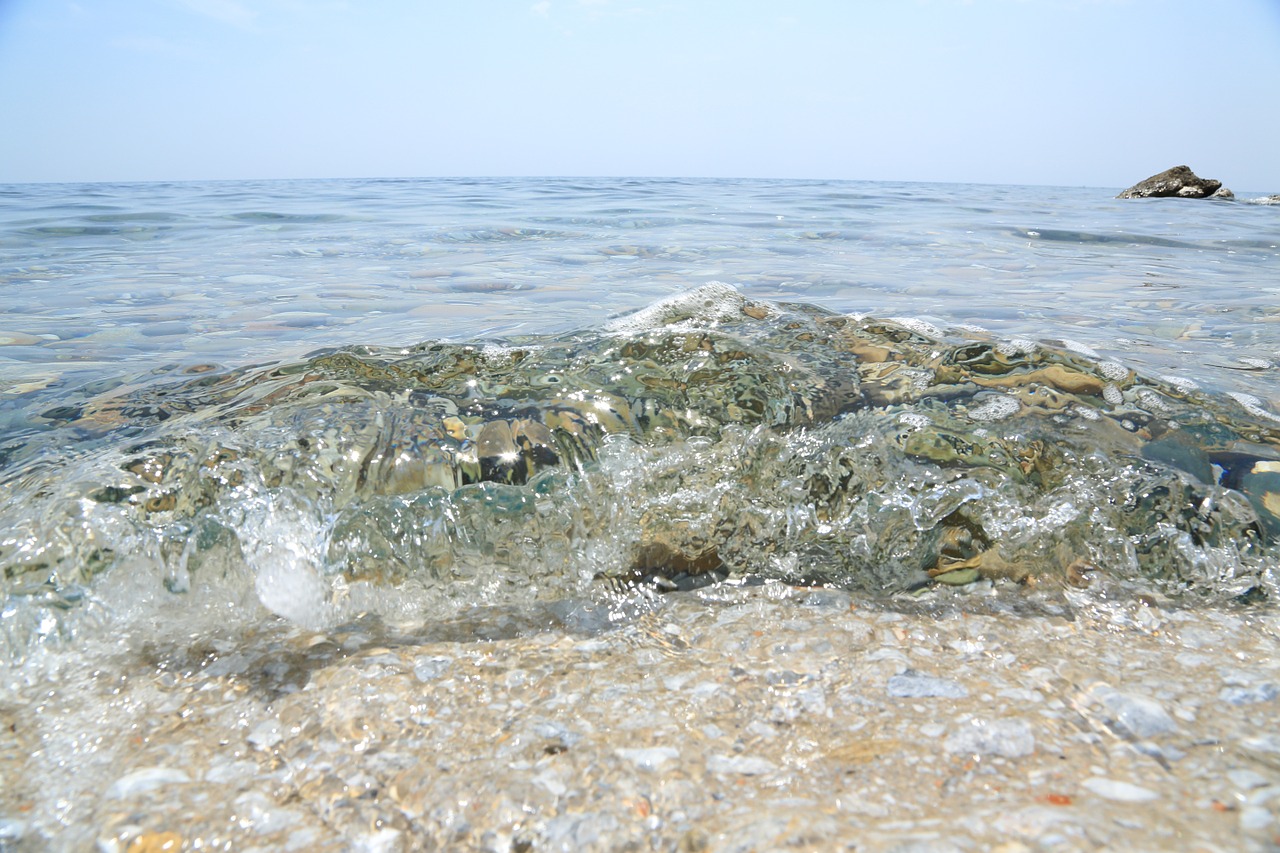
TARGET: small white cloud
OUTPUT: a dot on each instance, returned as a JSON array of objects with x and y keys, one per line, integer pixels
[
  {"x": 155, "y": 47},
  {"x": 542, "y": 8},
  {"x": 224, "y": 11}
]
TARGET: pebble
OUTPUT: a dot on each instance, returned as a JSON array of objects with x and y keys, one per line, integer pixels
[
  {"x": 156, "y": 842},
  {"x": 1249, "y": 695},
  {"x": 1008, "y": 738},
  {"x": 427, "y": 668},
  {"x": 1113, "y": 789},
  {"x": 1032, "y": 821},
  {"x": 1265, "y": 794},
  {"x": 1140, "y": 716},
  {"x": 265, "y": 814},
  {"x": 266, "y": 734},
  {"x": 1254, "y": 818},
  {"x": 11, "y": 830},
  {"x": 579, "y": 831},
  {"x": 1246, "y": 779},
  {"x": 743, "y": 765},
  {"x": 913, "y": 685},
  {"x": 230, "y": 771},
  {"x": 556, "y": 732},
  {"x": 648, "y": 759},
  {"x": 146, "y": 779},
  {"x": 699, "y": 738}
]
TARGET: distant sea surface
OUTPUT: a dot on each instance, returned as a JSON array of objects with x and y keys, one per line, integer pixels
[{"x": 105, "y": 280}]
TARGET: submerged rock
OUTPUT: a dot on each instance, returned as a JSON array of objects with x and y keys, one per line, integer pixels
[{"x": 1178, "y": 182}]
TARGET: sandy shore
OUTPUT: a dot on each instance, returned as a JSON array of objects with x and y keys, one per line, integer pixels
[{"x": 730, "y": 719}]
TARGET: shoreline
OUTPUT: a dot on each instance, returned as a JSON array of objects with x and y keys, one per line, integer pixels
[{"x": 728, "y": 719}]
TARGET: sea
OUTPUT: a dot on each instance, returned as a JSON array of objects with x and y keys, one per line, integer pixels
[{"x": 284, "y": 426}]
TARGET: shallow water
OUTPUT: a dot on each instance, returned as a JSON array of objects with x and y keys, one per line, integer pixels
[
  {"x": 118, "y": 278},
  {"x": 285, "y": 443}
]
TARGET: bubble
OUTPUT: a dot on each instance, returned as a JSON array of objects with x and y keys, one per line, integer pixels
[
  {"x": 1151, "y": 401},
  {"x": 1113, "y": 370},
  {"x": 995, "y": 408},
  {"x": 914, "y": 420},
  {"x": 1017, "y": 346},
  {"x": 500, "y": 353},
  {"x": 1112, "y": 394},
  {"x": 1253, "y": 405},
  {"x": 1181, "y": 384}
]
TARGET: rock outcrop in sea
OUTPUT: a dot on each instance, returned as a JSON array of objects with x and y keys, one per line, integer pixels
[{"x": 1178, "y": 182}]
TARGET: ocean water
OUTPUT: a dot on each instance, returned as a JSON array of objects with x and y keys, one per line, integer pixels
[
  {"x": 469, "y": 410},
  {"x": 117, "y": 279},
  {"x": 295, "y": 473}
]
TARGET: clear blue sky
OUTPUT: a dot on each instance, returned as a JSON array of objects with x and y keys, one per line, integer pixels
[{"x": 1067, "y": 92}]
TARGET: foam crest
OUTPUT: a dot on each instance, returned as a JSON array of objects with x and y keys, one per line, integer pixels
[{"x": 713, "y": 302}]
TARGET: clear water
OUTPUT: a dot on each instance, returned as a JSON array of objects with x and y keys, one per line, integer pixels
[
  {"x": 118, "y": 279},
  {"x": 119, "y": 292}
]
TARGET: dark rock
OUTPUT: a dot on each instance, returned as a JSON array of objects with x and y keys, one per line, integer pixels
[{"x": 1178, "y": 182}]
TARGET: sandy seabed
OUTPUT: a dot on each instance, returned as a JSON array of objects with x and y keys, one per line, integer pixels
[{"x": 729, "y": 719}]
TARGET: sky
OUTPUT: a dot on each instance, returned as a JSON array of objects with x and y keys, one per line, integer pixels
[{"x": 1098, "y": 93}]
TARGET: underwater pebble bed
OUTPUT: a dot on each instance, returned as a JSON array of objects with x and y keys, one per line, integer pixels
[{"x": 731, "y": 719}]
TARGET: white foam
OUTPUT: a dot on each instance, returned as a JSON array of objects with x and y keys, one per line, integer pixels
[
  {"x": 495, "y": 351},
  {"x": 1253, "y": 405},
  {"x": 712, "y": 302},
  {"x": 920, "y": 327},
  {"x": 1181, "y": 384},
  {"x": 1017, "y": 346},
  {"x": 1151, "y": 401},
  {"x": 1112, "y": 394},
  {"x": 995, "y": 409},
  {"x": 281, "y": 546},
  {"x": 1082, "y": 349},
  {"x": 914, "y": 420},
  {"x": 1113, "y": 370}
]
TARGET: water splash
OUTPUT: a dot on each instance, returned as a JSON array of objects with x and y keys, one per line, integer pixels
[{"x": 708, "y": 433}]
